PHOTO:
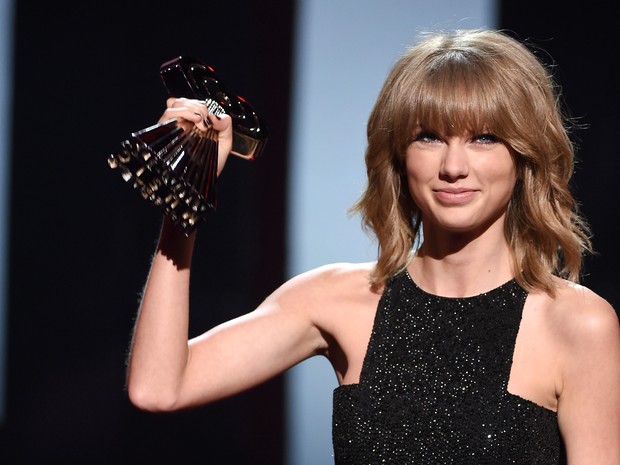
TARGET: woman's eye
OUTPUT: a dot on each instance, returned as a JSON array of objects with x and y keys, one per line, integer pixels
[
  {"x": 426, "y": 136},
  {"x": 486, "y": 139}
]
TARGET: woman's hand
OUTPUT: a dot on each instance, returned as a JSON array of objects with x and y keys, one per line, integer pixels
[{"x": 190, "y": 113}]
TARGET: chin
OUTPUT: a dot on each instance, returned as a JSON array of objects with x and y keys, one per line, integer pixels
[{"x": 463, "y": 225}]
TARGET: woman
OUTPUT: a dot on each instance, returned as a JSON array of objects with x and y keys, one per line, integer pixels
[{"x": 468, "y": 340}]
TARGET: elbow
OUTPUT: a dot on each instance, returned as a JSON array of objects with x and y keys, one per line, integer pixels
[{"x": 149, "y": 398}]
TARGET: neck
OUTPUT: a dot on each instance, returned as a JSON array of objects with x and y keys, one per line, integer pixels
[{"x": 461, "y": 265}]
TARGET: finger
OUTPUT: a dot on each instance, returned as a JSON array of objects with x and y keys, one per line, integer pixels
[
  {"x": 201, "y": 120},
  {"x": 183, "y": 109},
  {"x": 219, "y": 122},
  {"x": 196, "y": 113}
]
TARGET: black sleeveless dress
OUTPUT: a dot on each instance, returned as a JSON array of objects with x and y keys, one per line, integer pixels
[{"x": 433, "y": 386}]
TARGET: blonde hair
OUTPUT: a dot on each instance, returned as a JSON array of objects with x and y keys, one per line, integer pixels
[{"x": 477, "y": 81}]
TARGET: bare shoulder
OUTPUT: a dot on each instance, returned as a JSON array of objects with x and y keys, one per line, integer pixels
[
  {"x": 326, "y": 286},
  {"x": 338, "y": 270},
  {"x": 338, "y": 301},
  {"x": 583, "y": 330},
  {"x": 587, "y": 336},
  {"x": 583, "y": 316}
]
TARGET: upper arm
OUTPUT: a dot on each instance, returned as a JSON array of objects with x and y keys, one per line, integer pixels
[
  {"x": 589, "y": 403},
  {"x": 255, "y": 347}
]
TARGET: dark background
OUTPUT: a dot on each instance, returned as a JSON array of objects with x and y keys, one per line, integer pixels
[{"x": 86, "y": 74}]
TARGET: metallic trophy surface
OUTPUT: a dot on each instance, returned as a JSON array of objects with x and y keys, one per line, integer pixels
[{"x": 176, "y": 168}]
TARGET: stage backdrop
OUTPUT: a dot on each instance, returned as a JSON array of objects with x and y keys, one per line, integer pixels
[
  {"x": 6, "y": 75},
  {"x": 86, "y": 74}
]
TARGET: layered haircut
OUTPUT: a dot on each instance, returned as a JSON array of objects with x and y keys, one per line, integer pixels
[{"x": 472, "y": 82}]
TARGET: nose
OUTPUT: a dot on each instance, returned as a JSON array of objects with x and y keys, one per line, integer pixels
[{"x": 454, "y": 164}]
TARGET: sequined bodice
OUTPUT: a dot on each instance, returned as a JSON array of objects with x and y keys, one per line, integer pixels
[{"x": 433, "y": 386}]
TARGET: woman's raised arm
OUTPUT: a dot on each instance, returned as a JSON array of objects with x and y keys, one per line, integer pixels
[{"x": 168, "y": 372}]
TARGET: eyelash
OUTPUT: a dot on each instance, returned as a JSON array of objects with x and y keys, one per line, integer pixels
[
  {"x": 430, "y": 137},
  {"x": 490, "y": 138},
  {"x": 425, "y": 136}
]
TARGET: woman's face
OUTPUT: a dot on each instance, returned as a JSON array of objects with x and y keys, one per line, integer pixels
[{"x": 461, "y": 184}]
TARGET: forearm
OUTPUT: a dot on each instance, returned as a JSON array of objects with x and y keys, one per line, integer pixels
[{"x": 159, "y": 350}]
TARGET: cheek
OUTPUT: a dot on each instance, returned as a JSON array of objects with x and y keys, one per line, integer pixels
[
  {"x": 416, "y": 178},
  {"x": 502, "y": 178},
  {"x": 499, "y": 166},
  {"x": 510, "y": 173},
  {"x": 415, "y": 192},
  {"x": 502, "y": 174},
  {"x": 419, "y": 167}
]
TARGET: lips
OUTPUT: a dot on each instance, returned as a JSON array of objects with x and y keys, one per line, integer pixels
[{"x": 454, "y": 195}]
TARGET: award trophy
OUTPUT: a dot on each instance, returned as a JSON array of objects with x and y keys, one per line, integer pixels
[{"x": 176, "y": 168}]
